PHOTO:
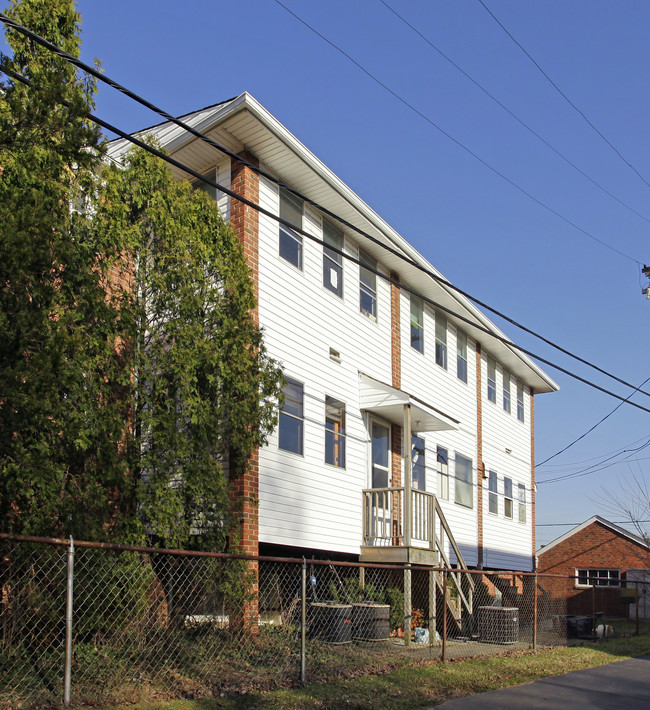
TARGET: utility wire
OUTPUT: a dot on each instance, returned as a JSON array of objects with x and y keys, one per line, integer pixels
[
  {"x": 599, "y": 458},
  {"x": 512, "y": 114},
  {"x": 598, "y": 423},
  {"x": 280, "y": 220},
  {"x": 436, "y": 277},
  {"x": 560, "y": 525},
  {"x": 431, "y": 122},
  {"x": 592, "y": 469},
  {"x": 562, "y": 94}
]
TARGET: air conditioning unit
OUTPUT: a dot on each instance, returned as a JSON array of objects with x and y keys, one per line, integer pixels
[{"x": 498, "y": 624}]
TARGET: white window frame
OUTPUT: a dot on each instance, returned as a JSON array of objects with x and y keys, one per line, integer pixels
[
  {"x": 493, "y": 493},
  {"x": 521, "y": 505},
  {"x": 417, "y": 323},
  {"x": 461, "y": 355},
  {"x": 418, "y": 446},
  {"x": 463, "y": 485},
  {"x": 508, "y": 500},
  {"x": 333, "y": 261},
  {"x": 286, "y": 235},
  {"x": 379, "y": 422},
  {"x": 442, "y": 469},
  {"x": 492, "y": 380},
  {"x": 285, "y": 416},
  {"x": 520, "y": 402},
  {"x": 367, "y": 284},
  {"x": 597, "y": 577},
  {"x": 335, "y": 437},
  {"x": 441, "y": 340},
  {"x": 506, "y": 392}
]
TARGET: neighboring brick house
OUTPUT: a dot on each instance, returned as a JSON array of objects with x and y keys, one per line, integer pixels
[
  {"x": 597, "y": 555},
  {"x": 380, "y": 383}
]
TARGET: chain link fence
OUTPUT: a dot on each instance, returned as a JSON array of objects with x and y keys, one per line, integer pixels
[{"x": 87, "y": 623}]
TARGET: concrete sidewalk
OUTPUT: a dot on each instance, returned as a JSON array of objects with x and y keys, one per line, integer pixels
[{"x": 622, "y": 685}]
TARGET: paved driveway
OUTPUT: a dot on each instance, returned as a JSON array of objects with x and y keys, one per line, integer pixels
[{"x": 623, "y": 685}]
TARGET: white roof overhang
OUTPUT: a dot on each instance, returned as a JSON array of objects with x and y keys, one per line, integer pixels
[
  {"x": 388, "y": 403},
  {"x": 243, "y": 123}
]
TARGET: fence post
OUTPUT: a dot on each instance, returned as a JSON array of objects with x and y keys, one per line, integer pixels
[
  {"x": 637, "y": 608},
  {"x": 407, "y": 604},
  {"x": 303, "y": 622},
  {"x": 535, "y": 612},
  {"x": 444, "y": 616},
  {"x": 67, "y": 674}
]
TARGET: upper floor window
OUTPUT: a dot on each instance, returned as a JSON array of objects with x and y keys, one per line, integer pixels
[
  {"x": 204, "y": 187},
  {"x": 506, "y": 391},
  {"x": 441, "y": 340},
  {"x": 520, "y": 401},
  {"x": 418, "y": 467},
  {"x": 417, "y": 323},
  {"x": 367, "y": 285},
  {"x": 334, "y": 432},
  {"x": 461, "y": 355},
  {"x": 464, "y": 482},
  {"x": 332, "y": 262},
  {"x": 522, "y": 502},
  {"x": 442, "y": 464},
  {"x": 292, "y": 418},
  {"x": 491, "y": 380},
  {"x": 493, "y": 498},
  {"x": 507, "y": 497},
  {"x": 290, "y": 242}
]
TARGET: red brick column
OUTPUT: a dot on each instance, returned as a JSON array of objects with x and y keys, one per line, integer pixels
[
  {"x": 480, "y": 466},
  {"x": 244, "y": 485}
]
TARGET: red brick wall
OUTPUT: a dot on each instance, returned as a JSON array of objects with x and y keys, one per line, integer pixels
[
  {"x": 594, "y": 547},
  {"x": 244, "y": 485}
]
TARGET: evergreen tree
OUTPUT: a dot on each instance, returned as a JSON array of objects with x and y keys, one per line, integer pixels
[{"x": 131, "y": 368}]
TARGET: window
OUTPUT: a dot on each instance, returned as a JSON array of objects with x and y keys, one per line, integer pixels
[
  {"x": 522, "y": 502},
  {"x": 598, "y": 578},
  {"x": 441, "y": 340},
  {"x": 506, "y": 391},
  {"x": 332, "y": 262},
  {"x": 461, "y": 355},
  {"x": 290, "y": 435},
  {"x": 334, "y": 432},
  {"x": 493, "y": 498},
  {"x": 464, "y": 484},
  {"x": 520, "y": 401},
  {"x": 507, "y": 497},
  {"x": 290, "y": 242},
  {"x": 417, "y": 323},
  {"x": 417, "y": 463},
  {"x": 442, "y": 464},
  {"x": 204, "y": 187},
  {"x": 380, "y": 445},
  {"x": 367, "y": 285},
  {"x": 491, "y": 380}
]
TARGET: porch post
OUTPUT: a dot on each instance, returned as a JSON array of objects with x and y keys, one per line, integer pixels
[
  {"x": 406, "y": 468},
  {"x": 407, "y": 473}
]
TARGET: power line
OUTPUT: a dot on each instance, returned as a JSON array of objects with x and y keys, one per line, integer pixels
[
  {"x": 562, "y": 94},
  {"x": 280, "y": 220},
  {"x": 600, "y": 458},
  {"x": 566, "y": 525},
  {"x": 513, "y": 115},
  {"x": 431, "y": 122},
  {"x": 436, "y": 277},
  {"x": 593, "y": 469},
  {"x": 598, "y": 423}
]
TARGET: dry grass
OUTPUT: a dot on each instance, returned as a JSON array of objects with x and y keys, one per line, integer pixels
[{"x": 424, "y": 683}]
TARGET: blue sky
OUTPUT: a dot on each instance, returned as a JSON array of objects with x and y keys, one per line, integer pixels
[{"x": 483, "y": 233}]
